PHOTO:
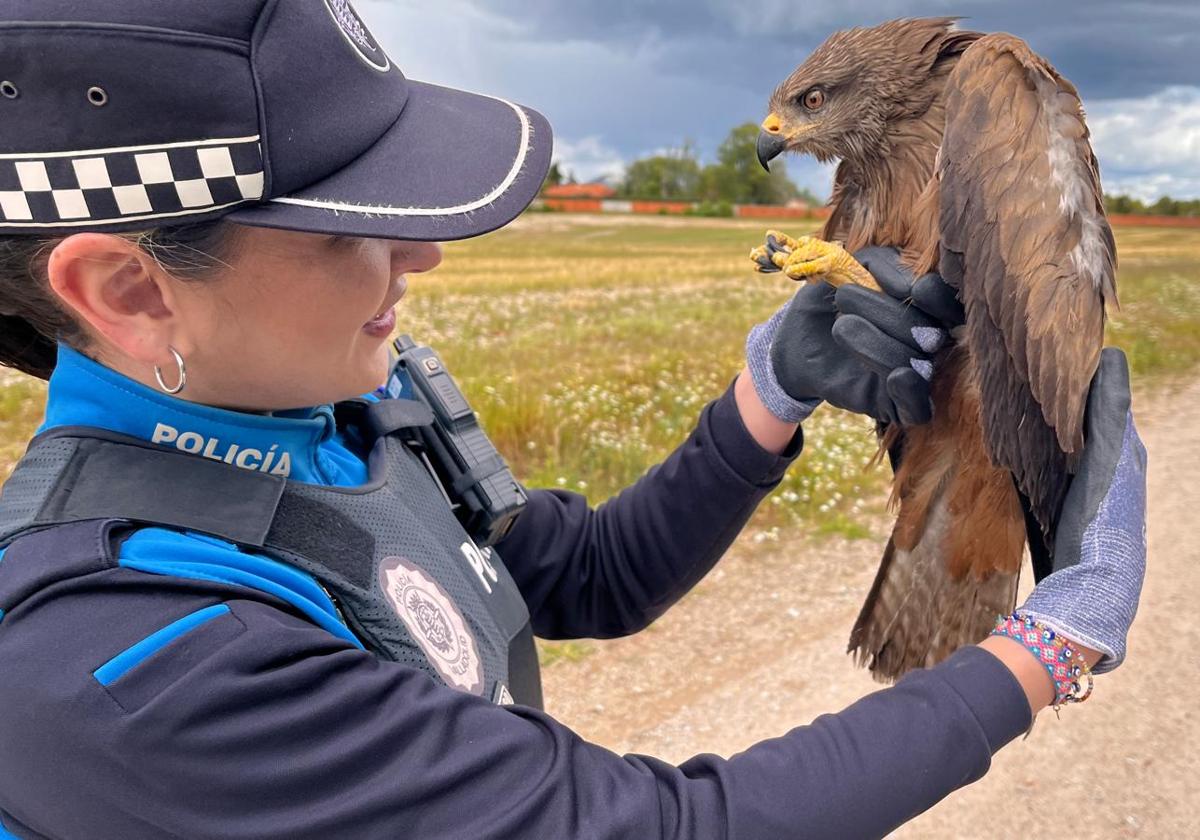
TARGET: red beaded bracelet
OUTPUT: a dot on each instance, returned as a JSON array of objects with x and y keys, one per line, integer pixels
[{"x": 1061, "y": 659}]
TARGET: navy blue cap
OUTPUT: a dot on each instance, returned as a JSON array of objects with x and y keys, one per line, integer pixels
[{"x": 130, "y": 114}]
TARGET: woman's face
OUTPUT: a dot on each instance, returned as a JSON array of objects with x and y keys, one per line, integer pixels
[{"x": 298, "y": 319}]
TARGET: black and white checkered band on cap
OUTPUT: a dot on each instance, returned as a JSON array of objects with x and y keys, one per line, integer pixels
[{"x": 119, "y": 186}]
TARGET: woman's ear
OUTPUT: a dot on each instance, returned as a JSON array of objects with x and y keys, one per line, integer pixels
[{"x": 119, "y": 291}]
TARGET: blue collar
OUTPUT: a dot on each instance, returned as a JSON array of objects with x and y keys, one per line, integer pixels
[{"x": 301, "y": 444}]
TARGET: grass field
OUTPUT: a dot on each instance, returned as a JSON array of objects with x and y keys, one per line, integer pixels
[{"x": 589, "y": 345}]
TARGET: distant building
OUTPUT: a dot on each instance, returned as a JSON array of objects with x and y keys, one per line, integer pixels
[{"x": 590, "y": 191}]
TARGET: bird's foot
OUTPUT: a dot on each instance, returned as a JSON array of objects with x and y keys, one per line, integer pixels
[{"x": 811, "y": 259}]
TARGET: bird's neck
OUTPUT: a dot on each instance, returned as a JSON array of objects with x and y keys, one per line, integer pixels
[{"x": 876, "y": 197}]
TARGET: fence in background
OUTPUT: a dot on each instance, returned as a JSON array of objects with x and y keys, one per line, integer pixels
[
  {"x": 675, "y": 208},
  {"x": 1154, "y": 221},
  {"x": 764, "y": 211}
]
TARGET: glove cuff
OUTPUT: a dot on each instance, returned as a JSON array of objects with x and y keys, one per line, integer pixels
[
  {"x": 1112, "y": 655},
  {"x": 762, "y": 374}
]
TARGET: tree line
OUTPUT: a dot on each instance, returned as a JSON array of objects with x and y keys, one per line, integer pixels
[
  {"x": 1165, "y": 206},
  {"x": 735, "y": 177}
]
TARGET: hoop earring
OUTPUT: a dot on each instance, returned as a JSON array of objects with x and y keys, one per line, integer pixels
[{"x": 182, "y": 373}]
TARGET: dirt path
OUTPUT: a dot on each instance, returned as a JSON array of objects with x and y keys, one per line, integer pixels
[{"x": 757, "y": 650}]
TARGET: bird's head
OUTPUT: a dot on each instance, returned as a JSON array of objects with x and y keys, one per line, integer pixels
[{"x": 839, "y": 102}]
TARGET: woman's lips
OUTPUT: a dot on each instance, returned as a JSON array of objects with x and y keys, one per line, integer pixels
[{"x": 381, "y": 326}]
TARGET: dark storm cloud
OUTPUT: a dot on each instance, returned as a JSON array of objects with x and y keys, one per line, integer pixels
[
  {"x": 1109, "y": 49},
  {"x": 621, "y": 78}
]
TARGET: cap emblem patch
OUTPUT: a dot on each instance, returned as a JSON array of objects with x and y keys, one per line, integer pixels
[
  {"x": 357, "y": 34},
  {"x": 434, "y": 622}
]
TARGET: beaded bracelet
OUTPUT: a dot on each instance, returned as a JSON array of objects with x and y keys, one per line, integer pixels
[{"x": 1061, "y": 659}]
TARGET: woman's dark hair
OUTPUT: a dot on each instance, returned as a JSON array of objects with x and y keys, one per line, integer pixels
[{"x": 33, "y": 319}]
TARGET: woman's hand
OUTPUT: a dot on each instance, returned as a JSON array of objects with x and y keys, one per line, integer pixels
[
  {"x": 1100, "y": 545},
  {"x": 858, "y": 349}
]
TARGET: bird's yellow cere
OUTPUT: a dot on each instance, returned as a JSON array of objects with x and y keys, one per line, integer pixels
[{"x": 772, "y": 124}]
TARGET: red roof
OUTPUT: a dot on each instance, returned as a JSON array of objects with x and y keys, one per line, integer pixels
[{"x": 580, "y": 191}]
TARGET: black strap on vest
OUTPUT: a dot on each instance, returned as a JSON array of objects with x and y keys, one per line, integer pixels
[
  {"x": 137, "y": 482},
  {"x": 478, "y": 473},
  {"x": 144, "y": 482},
  {"x": 388, "y": 416}
]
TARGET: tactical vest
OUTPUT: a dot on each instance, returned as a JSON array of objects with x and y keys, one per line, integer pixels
[{"x": 404, "y": 575}]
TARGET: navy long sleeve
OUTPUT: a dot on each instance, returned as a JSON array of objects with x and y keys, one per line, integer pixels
[
  {"x": 261, "y": 725},
  {"x": 611, "y": 571}
]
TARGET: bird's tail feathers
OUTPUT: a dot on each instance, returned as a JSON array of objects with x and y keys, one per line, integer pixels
[{"x": 951, "y": 565}]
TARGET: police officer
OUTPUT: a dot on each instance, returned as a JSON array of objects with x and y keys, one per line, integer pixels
[{"x": 233, "y": 600}]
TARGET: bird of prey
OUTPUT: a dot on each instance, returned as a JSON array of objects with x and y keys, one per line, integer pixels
[{"x": 969, "y": 153}]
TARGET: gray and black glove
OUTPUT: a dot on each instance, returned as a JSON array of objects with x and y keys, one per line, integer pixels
[
  {"x": 860, "y": 350},
  {"x": 1100, "y": 549}
]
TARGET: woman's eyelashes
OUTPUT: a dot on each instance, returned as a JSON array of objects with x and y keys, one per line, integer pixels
[{"x": 344, "y": 241}]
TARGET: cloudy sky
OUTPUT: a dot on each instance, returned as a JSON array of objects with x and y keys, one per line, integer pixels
[{"x": 623, "y": 78}]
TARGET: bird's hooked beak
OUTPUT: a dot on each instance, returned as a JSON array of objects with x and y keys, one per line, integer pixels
[{"x": 771, "y": 140}]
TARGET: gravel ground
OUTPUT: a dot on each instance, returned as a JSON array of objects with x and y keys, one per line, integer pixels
[{"x": 758, "y": 647}]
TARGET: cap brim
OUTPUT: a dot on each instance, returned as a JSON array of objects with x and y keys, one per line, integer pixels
[{"x": 455, "y": 164}]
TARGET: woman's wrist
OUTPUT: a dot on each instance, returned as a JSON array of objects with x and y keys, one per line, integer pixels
[
  {"x": 768, "y": 431},
  {"x": 1028, "y": 670}
]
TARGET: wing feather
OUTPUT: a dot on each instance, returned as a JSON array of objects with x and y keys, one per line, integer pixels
[{"x": 1025, "y": 239}]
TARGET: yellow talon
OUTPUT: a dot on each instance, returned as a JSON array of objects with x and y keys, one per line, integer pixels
[
  {"x": 783, "y": 239},
  {"x": 815, "y": 260}
]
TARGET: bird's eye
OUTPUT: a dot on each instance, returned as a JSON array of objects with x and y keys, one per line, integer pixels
[{"x": 813, "y": 99}]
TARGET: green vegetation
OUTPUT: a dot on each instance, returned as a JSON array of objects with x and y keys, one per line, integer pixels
[
  {"x": 673, "y": 176},
  {"x": 735, "y": 178},
  {"x": 1164, "y": 206},
  {"x": 711, "y": 209},
  {"x": 22, "y": 400},
  {"x": 738, "y": 178},
  {"x": 593, "y": 345},
  {"x": 589, "y": 349},
  {"x": 1158, "y": 283},
  {"x": 555, "y": 176},
  {"x": 551, "y": 653},
  {"x": 589, "y": 346}
]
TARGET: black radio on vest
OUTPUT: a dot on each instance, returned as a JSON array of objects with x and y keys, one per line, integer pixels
[{"x": 478, "y": 484}]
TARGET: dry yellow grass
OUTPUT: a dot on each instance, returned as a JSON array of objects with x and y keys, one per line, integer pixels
[{"x": 588, "y": 345}]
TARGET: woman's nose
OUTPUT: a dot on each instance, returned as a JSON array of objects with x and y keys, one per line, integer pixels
[{"x": 415, "y": 257}]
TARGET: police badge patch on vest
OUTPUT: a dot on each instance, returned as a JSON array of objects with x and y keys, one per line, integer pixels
[{"x": 434, "y": 622}]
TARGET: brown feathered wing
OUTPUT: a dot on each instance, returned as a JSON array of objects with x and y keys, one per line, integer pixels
[{"x": 1024, "y": 239}]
